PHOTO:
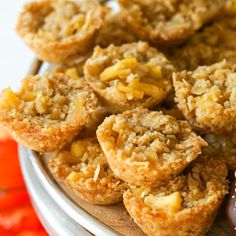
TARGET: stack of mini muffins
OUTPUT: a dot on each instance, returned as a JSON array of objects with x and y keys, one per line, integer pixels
[{"x": 139, "y": 105}]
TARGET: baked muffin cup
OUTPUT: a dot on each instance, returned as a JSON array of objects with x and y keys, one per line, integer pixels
[
  {"x": 82, "y": 166},
  {"x": 60, "y": 31},
  {"x": 128, "y": 76},
  {"x": 212, "y": 44},
  {"x": 207, "y": 98},
  {"x": 148, "y": 148},
  {"x": 168, "y": 22},
  {"x": 48, "y": 110},
  {"x": 187, "y": 205}
]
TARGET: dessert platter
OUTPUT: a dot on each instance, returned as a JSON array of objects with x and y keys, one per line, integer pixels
[{"x": 127, "y": 118}]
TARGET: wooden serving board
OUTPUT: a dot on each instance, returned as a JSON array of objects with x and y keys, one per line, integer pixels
[{"x": 117, "y": 218}]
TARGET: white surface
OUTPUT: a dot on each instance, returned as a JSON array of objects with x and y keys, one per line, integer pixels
[{"x": 15, "y": 56}]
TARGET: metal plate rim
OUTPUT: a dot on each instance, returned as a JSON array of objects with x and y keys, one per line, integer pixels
[{"x": 83, "y": 218}]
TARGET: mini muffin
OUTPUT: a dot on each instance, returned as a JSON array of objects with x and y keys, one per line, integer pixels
[
  {"x": 48, "y": 110},
  {"x": 169, "y": 21},
  {"x": 130, "y": 75},
  {"x": 115, "y": 30},
  {"x": 207, "y": 97},
  {"x": 84, "y": 168},
  {"x": 57, "y": 31},
  {"x": 222, "y": 147},
  {"x": 97, "y": 116},
  {"x": 213, "y": 44},
  {"x": 148, "y": 148},
  {"x": 186, "y": 206}
]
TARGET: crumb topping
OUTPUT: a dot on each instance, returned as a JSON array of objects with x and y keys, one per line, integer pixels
[
  {"x": 67, "y": 19},
  {"x": 169, "y": 20},
  {"x": 205, "y": 183},
  {"x": 152, "y": 137},
  {"x": 213, "y": 44},
  {"x": 51, "y": 97},
  {"x": 84, "y": 163},
  {"x": 207, "y": 96},
  {"x": 132, "y": 72}
]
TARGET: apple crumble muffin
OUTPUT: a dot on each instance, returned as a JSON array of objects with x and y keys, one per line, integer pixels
[
  {"x": 98, "y": 115},
  {"x": 48, "y": 110},
  {"x": 115, "y": 30},
  {"x": 148, "y": 148},
  {"x": 58, "y": 31},
  {"x": 84, "y": 168},
  {"x": 130, "y": 75},
  {"x": 213, "y": 44},
  {"x": 222, "y": 147},
  {"x": 186, "y": 206},
  {"x": 169, "y": 21},
  {"x": 207, "y": 97}
]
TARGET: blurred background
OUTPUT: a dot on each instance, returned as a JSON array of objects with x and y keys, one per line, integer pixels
[
  {"x": 17, "y": 216},
  {"x": 15, "y": 57}
]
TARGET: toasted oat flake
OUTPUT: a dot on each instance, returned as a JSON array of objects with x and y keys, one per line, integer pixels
[
  {"x": 206, "y": 97},
  {"x": 130, "y": 75},
  {"x": 48, "y": 110},
  {"x": 213, "y": 44},
  {"x": 84, "y": 168},
  {"x": 185, "y": 204},
  {"x": 60, "y": 31},
  {"x": 148, "y": 148},
  {"x": 166, "y": 20}
]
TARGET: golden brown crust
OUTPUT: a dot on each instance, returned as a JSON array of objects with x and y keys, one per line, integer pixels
[
  {"x": 172, "y": 189},
  {"x": 148, "y": 148},
  {"x": 207, "y": 97},
  {"x": 45, "y": 27},
  {"x": 169, "y": 21},
  {"x": 35, "y": 138},
  {"x": 186, "y": 206},
  {"x": 129, "y": 76},
  {"x": 43, "y": 115},
  {"x": 83, "y": 167}
]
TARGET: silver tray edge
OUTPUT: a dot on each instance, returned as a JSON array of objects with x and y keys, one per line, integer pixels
[{"x": 66, "y": 204}]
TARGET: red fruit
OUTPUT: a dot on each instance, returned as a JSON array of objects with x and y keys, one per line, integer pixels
[
  {"x": 32, "y": 233},
  {"x": 20, "y": 219},
  {"x": 17, "y": 216},
  {"x": 10, "y": 199},
  {"x": 10, "y": 173}
]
